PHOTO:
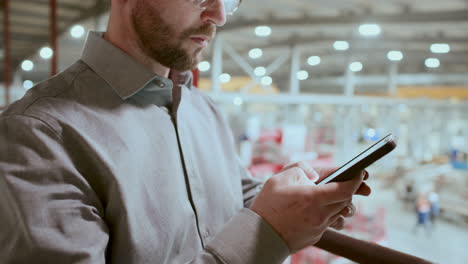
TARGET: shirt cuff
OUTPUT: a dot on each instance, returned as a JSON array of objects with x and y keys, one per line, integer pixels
[{"x": 248, "y": 239}]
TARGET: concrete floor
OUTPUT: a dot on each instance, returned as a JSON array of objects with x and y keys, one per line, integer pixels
[{"x": 447, "y": 244}]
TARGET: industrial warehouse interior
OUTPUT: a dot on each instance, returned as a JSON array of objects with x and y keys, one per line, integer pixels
[{"x": 317, "y": 81}]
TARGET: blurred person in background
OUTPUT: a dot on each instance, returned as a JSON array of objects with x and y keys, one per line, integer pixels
[
  {"x": 423, "y": 210},
  {"x": 433, "y": 198},
  {"x": 409, "y": 195},
  {"x": 119, "y": 159}
]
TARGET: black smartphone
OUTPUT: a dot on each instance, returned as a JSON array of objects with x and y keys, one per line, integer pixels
[{"x": 361, "y": 161}]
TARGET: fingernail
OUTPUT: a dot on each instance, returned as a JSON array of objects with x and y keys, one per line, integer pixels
[
  {"x": 350, "y": 210},
  {"x": 366, "y": 176},
  {"x": 310, "y": 171},
  {"x": 307, "y": 167}
]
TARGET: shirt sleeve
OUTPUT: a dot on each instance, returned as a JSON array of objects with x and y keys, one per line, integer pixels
[
  {"x": 48, "y": 211},
  {"x": 247, "y": 239}
]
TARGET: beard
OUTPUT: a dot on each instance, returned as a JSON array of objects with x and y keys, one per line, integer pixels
[{"x": 161, "y": 42}]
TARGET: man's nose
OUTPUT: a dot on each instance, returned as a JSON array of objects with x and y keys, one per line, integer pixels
[{"x": 214, "y": 13}]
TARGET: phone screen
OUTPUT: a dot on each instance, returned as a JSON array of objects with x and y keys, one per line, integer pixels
[{"x": 372, "y": 154}]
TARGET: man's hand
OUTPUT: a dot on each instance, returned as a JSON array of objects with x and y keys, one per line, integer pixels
[{"x": 299, "y": 210}]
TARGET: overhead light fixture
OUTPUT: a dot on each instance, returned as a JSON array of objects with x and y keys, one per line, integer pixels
[
  {"x": 302, "y": 75},
  {"x": 370, "y": 30},
  {"x": 27, "y": 84},
  {"x": 260, "y": 71},
  {"x": 432, "y": 63},
  {"x": 238, "y": 101},
  {"x": 77, "y": 31},
  {"x": 266, "y": 81},
  {"x": 46, "y": 53},
  {"x": 314, "y": 60},
  {"x": 263, "y": 31},
  {"x": 395, "y": 55},
  {"x": 204, "y": 66},
  {"x": 356, "y": 66},
  {"x": 27, "y": 65},
  {"x": 440, "y": 48},
  {"x": 341, "y": 45},
  {"x": 225, "y": 78},
  {"x": 255, "y": 53}
]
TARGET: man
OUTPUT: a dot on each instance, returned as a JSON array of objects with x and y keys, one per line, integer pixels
[{"x": 118, "y": 159}]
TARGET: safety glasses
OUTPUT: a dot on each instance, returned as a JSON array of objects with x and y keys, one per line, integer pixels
[{"x": 230, "y": 6}]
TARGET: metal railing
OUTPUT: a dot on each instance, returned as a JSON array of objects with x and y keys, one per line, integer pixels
[{"x": 364, "y": 252}]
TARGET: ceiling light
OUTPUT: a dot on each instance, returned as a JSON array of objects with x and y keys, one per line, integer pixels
[
  {"x": 440, "y": 48},
  {"x": 432, "y": 63},
  {"x": 370, "y": 30},
  {"x": 238, "y": 101},
  {"x": 46, "y": 53},
  {"x": 77, "y": 31},
  {"x": 255, "y": 53},
  {"x": 260, "y": 71},
  {"x": 302, "y": 75},
  {"x": 263, "y": 31},
  {"x": 28, "y": 84},
  {"x": 314, "y": 60},
  {"x": 204, "y": 66},
  {"x": 27, "y": 65},
  {"x": 341, "y": 45},
  {"x": 225, "y": 78},
  {"x": 267, "y": 81},
  {"x": 356, "y": 66},
  {"x": 395, "y": 55}
]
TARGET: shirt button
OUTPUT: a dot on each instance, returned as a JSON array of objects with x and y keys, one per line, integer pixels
[{"x": 161, "y": 85}]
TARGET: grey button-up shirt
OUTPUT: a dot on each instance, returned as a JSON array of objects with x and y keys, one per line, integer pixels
[{"x": 109, "y": 163}]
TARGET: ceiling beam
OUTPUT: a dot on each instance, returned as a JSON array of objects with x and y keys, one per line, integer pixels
[
  {"x": 426, "y": 79},
  {"x": 387, "y": 40},
  {"x": 78, "y": 5},
  {"x": 403, "y": 18}
]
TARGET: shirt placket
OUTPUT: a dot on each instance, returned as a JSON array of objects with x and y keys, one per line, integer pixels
[{"x": 193, "y": 180}]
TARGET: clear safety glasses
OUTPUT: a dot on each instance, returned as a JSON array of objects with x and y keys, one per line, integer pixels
[{"x": 230, "y": 6}]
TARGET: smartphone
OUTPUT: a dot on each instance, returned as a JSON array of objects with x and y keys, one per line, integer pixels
[{"x": 361, "y": 161}]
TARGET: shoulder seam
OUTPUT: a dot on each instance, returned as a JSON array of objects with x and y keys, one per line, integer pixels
[{"x": 61, "y": 92}]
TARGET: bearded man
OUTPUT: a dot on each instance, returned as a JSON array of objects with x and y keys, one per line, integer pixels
[{"x": 119, "y": 159}]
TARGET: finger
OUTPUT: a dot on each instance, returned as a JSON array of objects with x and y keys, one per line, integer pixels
[
  {"x": 336, "y": 208},
  {"x": 339, "y": 223},
  {"x": 308, "y": 170},
  {"x": 334, "y": 192},
  {"x": 364, "y": 190},
  {"x": 366, "y": 176},
  {"x": 325, "y": 171},
  {"x": 349, "y": 210},
  {"x": 294, "y": 176}
]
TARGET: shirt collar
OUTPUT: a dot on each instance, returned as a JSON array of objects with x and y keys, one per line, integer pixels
[{"x": 126, "y": 75}]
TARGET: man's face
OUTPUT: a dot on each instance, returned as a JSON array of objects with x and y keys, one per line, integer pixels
[{"x": 170, "y": 35}]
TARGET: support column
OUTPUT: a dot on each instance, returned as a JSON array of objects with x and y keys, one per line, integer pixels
[
  {"x": 6, "y": 51},
  {"x": 392, "y": 79},
  {"x": 350, "y": 82},
  {"x": 217, "y": 64},
  {"x": 295, "y": 68},
  {"x": 53, "y": 36}
]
